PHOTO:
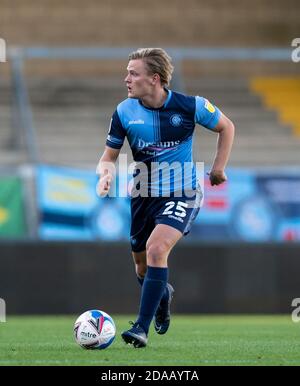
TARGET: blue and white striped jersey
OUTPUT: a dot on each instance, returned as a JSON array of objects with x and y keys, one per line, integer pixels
[{"x": 163, "y": 136}]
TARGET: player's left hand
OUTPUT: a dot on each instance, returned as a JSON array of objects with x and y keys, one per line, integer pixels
[{"x": 217, "y": 177}]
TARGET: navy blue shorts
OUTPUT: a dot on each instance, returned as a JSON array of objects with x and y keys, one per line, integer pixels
[{"x": 147, "y": 212}]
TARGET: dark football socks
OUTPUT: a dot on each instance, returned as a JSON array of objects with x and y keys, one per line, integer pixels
[
  {"x": 140, "y": 280},
  {"x": 153, "y": 289},
  {"x": 165, "y": 297}
]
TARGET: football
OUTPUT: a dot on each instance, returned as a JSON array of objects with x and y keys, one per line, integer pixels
[{"x": 94, "y": 329}]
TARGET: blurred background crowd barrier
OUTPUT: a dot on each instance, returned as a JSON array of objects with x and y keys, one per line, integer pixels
[
  {"x": 64, "y": 76},
  {"x": 253, "y": 206}
]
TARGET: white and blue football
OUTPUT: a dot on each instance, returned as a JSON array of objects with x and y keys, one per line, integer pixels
[{"x": 94, "y": 329}]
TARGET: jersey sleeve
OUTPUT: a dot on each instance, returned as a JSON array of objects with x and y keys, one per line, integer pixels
[
  {"x": 116, "y": 133},
  {"x": 206, "y": 114}
]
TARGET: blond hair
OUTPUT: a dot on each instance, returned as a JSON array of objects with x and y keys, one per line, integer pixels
[{"x": 157, "y": 62}]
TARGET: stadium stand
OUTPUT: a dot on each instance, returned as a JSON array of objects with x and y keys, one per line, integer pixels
[
  {"x": 12, "y": 151},
  {"x": 281, "y": 95},
  {"x": 261, "y": 139},
  {"x": 71, "y": 118},
  {"x": 76, "y": 97},
  {"x": 115, "y": 23}
]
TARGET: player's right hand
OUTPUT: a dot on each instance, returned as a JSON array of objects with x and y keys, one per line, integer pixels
[{"x": 103, "y": 185}]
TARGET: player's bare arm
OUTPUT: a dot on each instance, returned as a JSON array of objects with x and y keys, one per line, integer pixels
[
  {"x": 225, "y": 129},
  {"x": 106, "y": 170}
]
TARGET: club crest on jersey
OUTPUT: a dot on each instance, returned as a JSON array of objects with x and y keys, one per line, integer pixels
[{"x": 176, "y": 120}]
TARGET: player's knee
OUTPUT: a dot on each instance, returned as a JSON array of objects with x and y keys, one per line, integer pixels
[{"x": 156, "y": 252}]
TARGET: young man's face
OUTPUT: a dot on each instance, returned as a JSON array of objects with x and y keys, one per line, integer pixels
[{"x": 138, "y": 81}]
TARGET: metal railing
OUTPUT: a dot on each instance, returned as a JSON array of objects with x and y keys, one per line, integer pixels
[{"x": 22, "y": 112}]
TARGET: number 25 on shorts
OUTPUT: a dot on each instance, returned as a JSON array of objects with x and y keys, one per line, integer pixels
[{"x": 179, "y": 209}]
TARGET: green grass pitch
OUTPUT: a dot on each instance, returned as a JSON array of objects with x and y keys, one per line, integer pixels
[{"x": 192, "y": 340}]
